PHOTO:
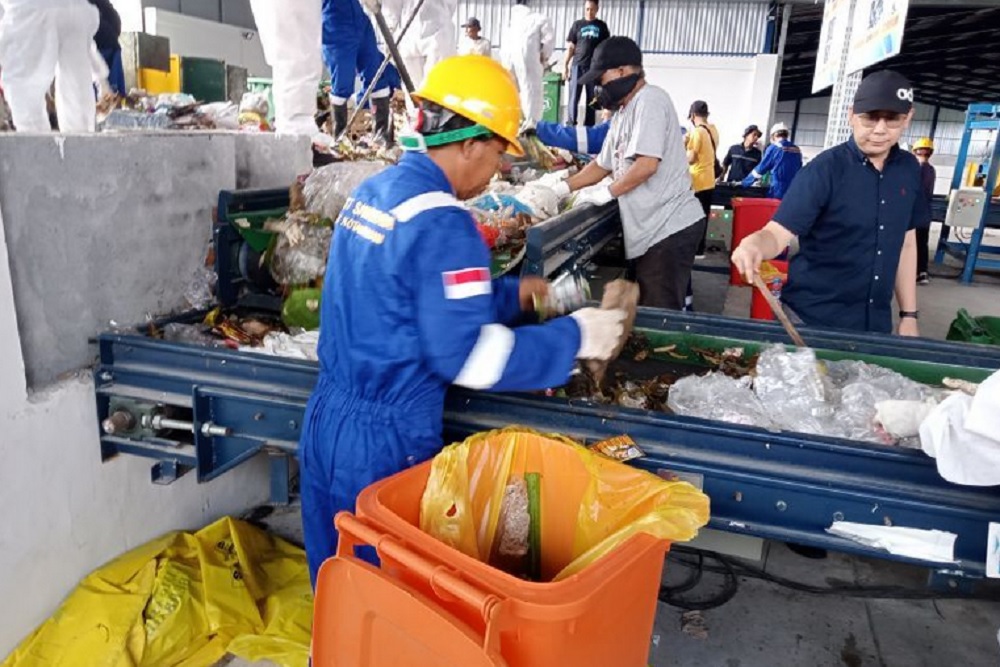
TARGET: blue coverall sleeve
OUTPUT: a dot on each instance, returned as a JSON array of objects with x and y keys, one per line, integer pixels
[
  {"x": 507, "y": 301},
  {"x": 770, "y": 160},
  {"x": 462, "y": 341},
  {"x": 587, "y": 140}
]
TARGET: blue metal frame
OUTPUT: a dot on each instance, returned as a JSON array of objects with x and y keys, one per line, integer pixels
[
  {"x": 568, "y": 241},
  {"x": 978, "y": 117},
  {"x": 784, "y": 486}
]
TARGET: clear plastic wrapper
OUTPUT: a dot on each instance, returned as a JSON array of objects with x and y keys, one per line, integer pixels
[
  {"x": 300, "y": 252},
  {"x": 255, "y": 103},
  {"x": 328, "y": 188},
  {"x": 124, "y": 119},
  {"x": 199, "y": 292},
  {"x": 225, "y": 115},
  {"x": 790, "y": 386},
  {"x": 194, "y": 334},
  {"x": 718, "y": 396}
]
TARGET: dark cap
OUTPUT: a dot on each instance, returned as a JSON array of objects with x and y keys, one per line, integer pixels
[
  {"x": 698, "y": 108},
  {"x": 472, "y": 22},
  {"x": 751, "y": 129},
  {"x": 884, "y": 90},
  {"x": 611, "y": 53}
]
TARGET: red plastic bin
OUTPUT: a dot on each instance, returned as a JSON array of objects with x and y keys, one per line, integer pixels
[
  {"x": 749, "y": 216},
  {"x": 601, "y": 616},
  {"x": 759, "y": 309}
]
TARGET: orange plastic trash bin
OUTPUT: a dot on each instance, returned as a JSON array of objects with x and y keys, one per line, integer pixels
[{"x": 603, "y": 615}]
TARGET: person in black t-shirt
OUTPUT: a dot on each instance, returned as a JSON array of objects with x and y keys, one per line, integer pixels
[
  {"x": 583, "y": 38},
  {"x": 742, "y": 158}
]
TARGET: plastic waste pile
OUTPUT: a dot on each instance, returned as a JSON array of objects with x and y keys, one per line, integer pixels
[
  {"x": 790, "y": 391},
  {"x": 170, "y": 111}
]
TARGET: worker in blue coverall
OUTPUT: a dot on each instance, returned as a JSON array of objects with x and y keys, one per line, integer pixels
[
  {"x": 350, "y": 49},
  {"x": 582, "y": 139},
  {"x": 782, "y": 159},
  {"x": 409, "y": 307}
]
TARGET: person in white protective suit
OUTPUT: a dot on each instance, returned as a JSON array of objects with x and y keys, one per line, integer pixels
[
  {"x": 291, "y": 35},
  {"x": 41, "y": 40},
  {"x": 527, "y": 48},
  {"x": 430, "y": 38}
]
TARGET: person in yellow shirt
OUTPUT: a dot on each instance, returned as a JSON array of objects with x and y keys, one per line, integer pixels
[{"x": 701, "y": 143}]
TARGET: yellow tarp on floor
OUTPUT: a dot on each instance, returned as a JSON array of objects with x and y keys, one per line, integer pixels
[{"x": 184, "y": 600}]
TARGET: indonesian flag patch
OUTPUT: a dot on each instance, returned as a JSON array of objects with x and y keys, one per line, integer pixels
[{"x": 467, "y": 283}]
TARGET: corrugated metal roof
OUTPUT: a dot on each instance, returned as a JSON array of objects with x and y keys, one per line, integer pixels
[
  {"x": 704, "y": 26},
  {"x": 683, "y": 26}
]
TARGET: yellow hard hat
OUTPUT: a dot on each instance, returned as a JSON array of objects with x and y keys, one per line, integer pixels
[
  {"x": 923, "y": 142},
  {"x": 480, "y": 89}
]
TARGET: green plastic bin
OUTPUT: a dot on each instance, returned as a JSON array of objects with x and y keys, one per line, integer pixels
[
  {"x": 965, "y": 328},
  {"x": 552, "y": 100}
]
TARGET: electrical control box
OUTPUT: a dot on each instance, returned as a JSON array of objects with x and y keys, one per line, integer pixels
[
  {"x": 720, "y": 229},
  {"x": 965, "y": 207}
]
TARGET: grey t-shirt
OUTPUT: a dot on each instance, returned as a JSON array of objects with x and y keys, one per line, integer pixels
[{"x": 664, "y": 204}]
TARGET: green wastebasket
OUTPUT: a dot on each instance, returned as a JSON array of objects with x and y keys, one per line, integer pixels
[
  {"x": 965, "y": 328},
  {"x": 552, "y": 88}
]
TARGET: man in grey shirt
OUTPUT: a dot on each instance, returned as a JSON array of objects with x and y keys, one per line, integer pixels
[{"x": 644, "y": 154}]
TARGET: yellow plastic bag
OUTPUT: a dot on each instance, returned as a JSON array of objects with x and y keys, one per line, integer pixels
[
  {"x": 590, "y": 504},
  {"x": 184, "y": 600}
]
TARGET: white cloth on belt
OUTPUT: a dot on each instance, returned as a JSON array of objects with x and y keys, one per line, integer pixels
[
  {"x": 527, "y": 44},
  {"x": 291, "y": 35},
  {"x": 936, "y": 546},
  {"x": 40, "y": 41},
  {"x": 430, "y": 38},
  {"x": 963, "y": 435}
]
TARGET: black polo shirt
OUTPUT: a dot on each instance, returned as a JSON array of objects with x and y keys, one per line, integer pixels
[
  {"x": 851, "y": 220},
  {"x": 741, "y": 161}
]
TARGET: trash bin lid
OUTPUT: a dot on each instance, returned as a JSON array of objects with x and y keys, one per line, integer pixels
[{"x": 363, "y": 618}]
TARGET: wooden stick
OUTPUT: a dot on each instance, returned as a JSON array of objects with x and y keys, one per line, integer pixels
[{"x": 778, "y": 311}]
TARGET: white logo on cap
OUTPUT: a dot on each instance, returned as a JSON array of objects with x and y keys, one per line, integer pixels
[{"x": 905, "y": 94}]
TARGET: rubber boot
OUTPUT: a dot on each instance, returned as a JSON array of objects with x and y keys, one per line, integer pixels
[
  {"x": 339, "y": 119},
  {"x": 383, "y": 120}
]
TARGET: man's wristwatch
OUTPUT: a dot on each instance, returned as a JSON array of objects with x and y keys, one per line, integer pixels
[{"x": 915, "y": 314}]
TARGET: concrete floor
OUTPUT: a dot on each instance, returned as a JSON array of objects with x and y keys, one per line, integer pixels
[{"x": 768, "y": 625}]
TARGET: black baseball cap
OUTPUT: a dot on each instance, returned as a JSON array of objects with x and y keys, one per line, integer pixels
[
  {"x": 611, "y": 53},
  {"x": 884, "y": 90},
  {"x": 471, "y": 22},
  {"x": 698, "y": 108},
  {"x": 752, "y": 128}
]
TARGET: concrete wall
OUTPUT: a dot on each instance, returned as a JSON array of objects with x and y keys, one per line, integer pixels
[
  {"x": 87, "y": 237},
  {"x": 111, "y": 227}
]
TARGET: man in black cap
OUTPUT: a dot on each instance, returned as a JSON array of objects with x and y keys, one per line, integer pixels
[
  {"x": 854, "y": 209},
  {"x": 742, "y": 158},
  {"x": 644, "y": 155},
  {"x": 472, "y": 43}
]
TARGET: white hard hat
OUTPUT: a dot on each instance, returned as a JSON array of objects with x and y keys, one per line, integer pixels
[{"x": 778, "y": 127}]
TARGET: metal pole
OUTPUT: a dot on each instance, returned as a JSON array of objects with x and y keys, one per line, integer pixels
[{"x": 385, "y": 63}]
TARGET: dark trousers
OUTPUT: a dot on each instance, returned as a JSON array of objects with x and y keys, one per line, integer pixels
[
  {"x": 590, "y": 115},
  {"x": 705, "y": 199},
  {"x": 923, "y": 249},
  {"x": 664, "y": 271},
  {"x": 116, "y": 71}
]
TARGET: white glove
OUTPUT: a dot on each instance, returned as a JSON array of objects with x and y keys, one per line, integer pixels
[
  {"x": 598, "y": 195},
  {"x": 551, "y": 179},
  {"x": 600, "y": 332}
]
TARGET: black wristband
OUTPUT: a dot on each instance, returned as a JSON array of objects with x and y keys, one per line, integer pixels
[{"x": 915, "y": 314}]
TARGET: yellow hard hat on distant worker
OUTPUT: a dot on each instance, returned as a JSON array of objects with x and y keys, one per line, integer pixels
[
  {"x": 923, "y": 142},
  {"x": 477, "y": 88}
]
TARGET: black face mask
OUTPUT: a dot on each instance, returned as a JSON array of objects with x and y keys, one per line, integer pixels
[{"x": 611, "y": 94}]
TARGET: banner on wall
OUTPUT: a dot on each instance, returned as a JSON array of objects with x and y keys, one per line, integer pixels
[
  {"x": 832, "y": 37},
  {"x": 877, "y": 32}
]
